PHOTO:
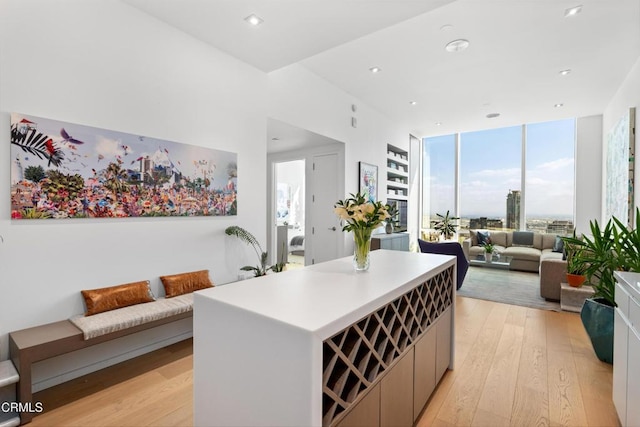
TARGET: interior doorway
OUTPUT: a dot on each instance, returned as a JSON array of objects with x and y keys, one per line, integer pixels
[
  {"x": 305, "y": 177},
  {"x": 290, "y": 211}
]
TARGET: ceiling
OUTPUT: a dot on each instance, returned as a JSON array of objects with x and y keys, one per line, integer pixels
[{"x": 517, "y": 49}]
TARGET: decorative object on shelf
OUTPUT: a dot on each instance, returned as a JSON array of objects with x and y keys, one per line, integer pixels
[
  {"x": 65, "y": 170},
  {"x": 446, "y": 225},
  {"x": 392, "y": 221},
  {"x": 488, "y": 251},
  {"x": 397, "y": 173},
  {"x": 612, "y": 248},
  {"x": 248, "y": 238},
  {"x": 361, "y": 216},
  {"x": 368, "y": 181}
]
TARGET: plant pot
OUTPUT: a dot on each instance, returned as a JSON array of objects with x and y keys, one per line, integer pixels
[
  {"x": 576, "y": 280},
  {"x": 597, "y": 318},
  {"x": 488, "y": 257}
]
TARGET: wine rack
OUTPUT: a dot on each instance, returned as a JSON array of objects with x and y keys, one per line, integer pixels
[{"x": 356, "y": 357}]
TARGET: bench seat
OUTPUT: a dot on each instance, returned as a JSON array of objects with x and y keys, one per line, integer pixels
[
  {"x": 134, "y": 315},
  {"x": 31, "y": 345}
]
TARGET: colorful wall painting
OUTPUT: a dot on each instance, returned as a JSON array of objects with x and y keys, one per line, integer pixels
[
  {"x": 65, "y": 170},
  {"x": 368, "y": 181},
  {"x": 620, "y": 170}
]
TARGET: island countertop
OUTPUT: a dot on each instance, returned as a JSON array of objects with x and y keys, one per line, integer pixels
[
  {"x": 326, "y": 297},
  {"x": 260, "y": 357}
]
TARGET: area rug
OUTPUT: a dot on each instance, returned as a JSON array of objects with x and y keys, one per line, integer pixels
[{"x": 508, "y": 287}]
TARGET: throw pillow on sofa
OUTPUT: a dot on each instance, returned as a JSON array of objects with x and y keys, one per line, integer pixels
[
  {"x": 558, "y": 245},
  {"x": 523, "y": 239},
  {"x": 483, "y": 237}
]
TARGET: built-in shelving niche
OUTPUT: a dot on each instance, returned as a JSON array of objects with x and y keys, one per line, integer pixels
[{"x": 356, "y": 356}]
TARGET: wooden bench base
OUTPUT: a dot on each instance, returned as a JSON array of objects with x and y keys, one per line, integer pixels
[{"x": 31, "y": 345}]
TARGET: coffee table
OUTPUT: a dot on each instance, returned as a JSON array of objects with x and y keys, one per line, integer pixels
[{"x": 498, "y": 261}]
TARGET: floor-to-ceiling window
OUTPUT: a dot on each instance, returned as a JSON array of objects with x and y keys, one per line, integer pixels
[
  {"x": 549, "y": 176},
  {"x": 490, "y": 177},
  {"x": 491, "y": 182},
  {"x": 438, "y": 174}
]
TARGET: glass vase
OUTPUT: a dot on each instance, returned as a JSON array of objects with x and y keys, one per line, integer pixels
[{"x": 362, "y": 247}]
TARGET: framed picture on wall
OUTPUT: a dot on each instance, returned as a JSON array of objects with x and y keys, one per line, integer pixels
[
  {"x": 368, "y": 181},
  {"x": 64, "y": 170}
]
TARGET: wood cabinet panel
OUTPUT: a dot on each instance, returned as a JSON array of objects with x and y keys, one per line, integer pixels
[
  {"x": 365, "y": 413},
  {"x": 424, "y": 370},
  {"x": 396, "y": 394},
  {"x": 443, "y": 343}
]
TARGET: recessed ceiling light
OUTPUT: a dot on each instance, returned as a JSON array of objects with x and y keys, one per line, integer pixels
[
  {"x": 413, "y": 102},
  {"x": 438, "y": 123},
  {"x": 573, "y": 11},
  {"x": 457, "y": 45},
  {"x": 254, "y": 20},
  {"x": 565, "y": 72},
  {"x": 446, "y": 27},
  {"x": 558, "y": 105},
  {"x": 375, "y": 69},
  {"x": 493, "y": 115}
]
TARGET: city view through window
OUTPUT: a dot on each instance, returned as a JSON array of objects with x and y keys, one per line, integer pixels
[{"x": 490, "y": 180}]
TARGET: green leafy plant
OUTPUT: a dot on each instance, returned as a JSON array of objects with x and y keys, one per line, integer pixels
[
  {"x": 360, "y": 214},
  {"x": 488, "y": 247},
  {"x": 446, "y": 225},
  {"x": 607, "y": 250},
  {"x": 279, "y": 266},
  {"x": 392, "y": 210},
  {"x": 249, "y": 239},
  {"x": 627, "y": 245},
  {"x": 572, "y": 252}
]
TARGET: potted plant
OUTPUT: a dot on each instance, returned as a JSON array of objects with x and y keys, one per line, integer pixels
[
  {"x": 575, "y": 265},
  {"x": 392, "y": 221},
  {"x": 446, "y": 225},
  {"x": 489, "y": 248},
  {"x": 612, "y": 248},
  {"x": 248, "y": 238}
]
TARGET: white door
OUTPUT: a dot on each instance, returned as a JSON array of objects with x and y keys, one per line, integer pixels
[{"x": 326, "y": 232}]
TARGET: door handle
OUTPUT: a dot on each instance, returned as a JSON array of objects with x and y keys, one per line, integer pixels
[{"x": 332, "y": 228}]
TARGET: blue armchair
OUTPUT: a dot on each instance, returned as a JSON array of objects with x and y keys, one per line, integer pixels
[{"x": 448, "y": 248}]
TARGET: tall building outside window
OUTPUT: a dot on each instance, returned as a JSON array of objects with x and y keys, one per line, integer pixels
[{"x": 513, "y": 210}]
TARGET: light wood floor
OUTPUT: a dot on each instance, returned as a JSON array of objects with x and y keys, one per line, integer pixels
[{"x": 514, "y": 366}]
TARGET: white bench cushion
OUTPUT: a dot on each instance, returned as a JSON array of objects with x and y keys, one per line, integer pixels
[{"x": 127, "y": 317}]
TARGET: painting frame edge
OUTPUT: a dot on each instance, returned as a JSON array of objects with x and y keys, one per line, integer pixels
[{"x": 362, "y": 168}]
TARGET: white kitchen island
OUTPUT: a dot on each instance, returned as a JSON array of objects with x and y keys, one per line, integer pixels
[{"x": 325, "y": 345}]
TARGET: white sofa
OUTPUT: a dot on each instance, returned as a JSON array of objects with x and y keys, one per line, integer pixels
[{"x": 524, "y": 258}]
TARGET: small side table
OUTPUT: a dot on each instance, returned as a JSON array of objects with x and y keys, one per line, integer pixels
[{"x": 572, "y": 299}]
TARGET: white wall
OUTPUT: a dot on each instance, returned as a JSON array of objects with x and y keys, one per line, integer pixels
[
  {"x": 301, "y": 98},
  {"x": 628, "y": 95},
  {"x": 588, "y": 173},
  {"x": 105, "y": 64}
]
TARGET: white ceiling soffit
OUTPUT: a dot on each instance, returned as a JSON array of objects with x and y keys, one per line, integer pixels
[
  {"x": 292, "y": 29},
  {"x": 284, "y": 137},
  {"x": 517, "y": 49}
]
